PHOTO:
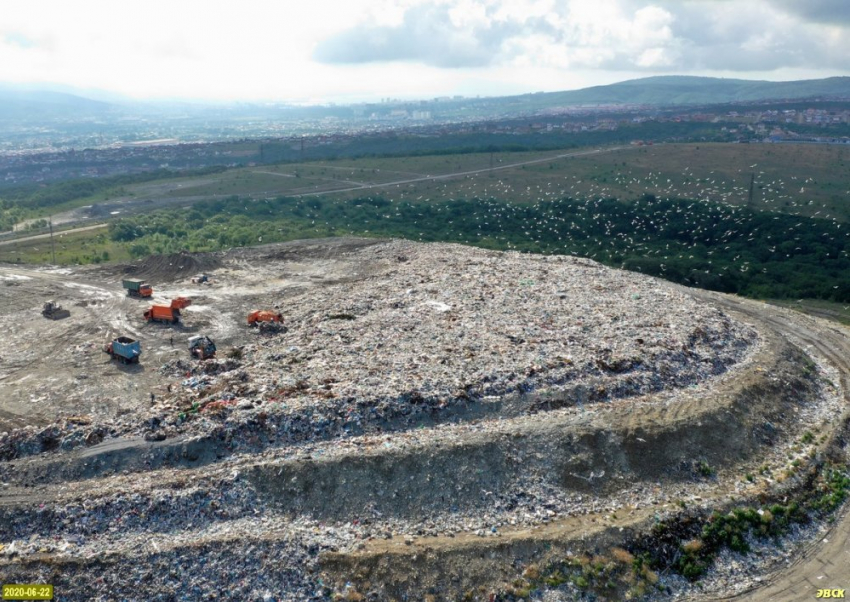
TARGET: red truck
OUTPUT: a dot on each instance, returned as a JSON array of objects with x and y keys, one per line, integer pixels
[
  {"x": 137, "y": 288},
  {"x": 167, "y": 313},
  {"x": 264, "y": 315}
]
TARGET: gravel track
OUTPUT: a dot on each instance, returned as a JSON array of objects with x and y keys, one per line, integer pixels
[{"x": 822, "y": 562}]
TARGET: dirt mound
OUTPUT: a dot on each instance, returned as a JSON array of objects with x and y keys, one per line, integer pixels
[
  {"x": 175, "y": 266},
  {"x": 299, "y": 250}
]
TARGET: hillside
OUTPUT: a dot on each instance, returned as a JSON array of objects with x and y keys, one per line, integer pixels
[
  {"x": 661, "y": 91},
  {"x": 687, "y": 90},
  {"x": 27, "y": 105}
]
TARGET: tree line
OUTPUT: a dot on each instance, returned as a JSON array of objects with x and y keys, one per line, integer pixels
[{"x": 696, "y": 243}]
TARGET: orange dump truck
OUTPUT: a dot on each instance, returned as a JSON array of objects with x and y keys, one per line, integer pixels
[
  {"x": 167, "y": 313},
  {"x": 264, "y": 315},
  {"x": 180, "y": 302},
  {"x": 137, "y": 288}
]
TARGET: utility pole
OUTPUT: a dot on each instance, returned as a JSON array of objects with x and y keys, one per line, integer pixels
[{"x": 52, "y": 247}]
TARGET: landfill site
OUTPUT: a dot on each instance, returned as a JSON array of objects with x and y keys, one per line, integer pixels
[{"x": 401, "y": 421}]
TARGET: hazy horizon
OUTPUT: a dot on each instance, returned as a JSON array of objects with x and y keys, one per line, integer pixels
[
  {"x": 118, "y": 98},
  {"x": 367, "y": 50}
]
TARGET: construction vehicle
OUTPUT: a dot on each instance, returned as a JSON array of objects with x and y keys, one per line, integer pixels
[
  {"x": 54, "y": 311},
  {"x": 137, "y": 288},
  {"x": 263, "y": 315},
  {"x": 202, "y": 279},
  {"x": 125, "y": 349},
  {"x": 167, "y": 313},
  {"x": 201, "y": 347}
]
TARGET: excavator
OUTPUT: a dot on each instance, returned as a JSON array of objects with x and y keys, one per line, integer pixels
[{"x": 202, "y": 347}]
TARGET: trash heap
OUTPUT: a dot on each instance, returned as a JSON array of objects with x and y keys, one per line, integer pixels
[
  {"x": 451, "y": 323},
  {"x": 438, "y": 345},
  {"x": 434, "y": 329}
]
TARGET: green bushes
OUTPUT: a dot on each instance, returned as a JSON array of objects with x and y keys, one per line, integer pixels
[
  {"x": 735, "y": 529},
  {"x": 618, "y": 576},
  {"x": 729, "y": 249},
  {"x": 705, "y": 469},
  {"x": 687, "y": 544},
  {"x": 833, "y": 492}
]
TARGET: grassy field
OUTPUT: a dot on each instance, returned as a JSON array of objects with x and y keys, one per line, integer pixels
[
  {"x": 327, "y": 176},
  {"x": 153, "y": 189},
  {"x": 811, "y": 180},
  {"x": 92, "y": 246},
  {"x": 838, "y": 312},
  {"x": 720, "y": 243}
]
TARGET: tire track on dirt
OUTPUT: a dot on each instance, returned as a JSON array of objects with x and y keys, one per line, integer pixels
[{"x": 825, "y": 562}]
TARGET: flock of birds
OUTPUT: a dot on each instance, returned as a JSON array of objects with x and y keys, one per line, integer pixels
[{"x": 502, "y": 198}]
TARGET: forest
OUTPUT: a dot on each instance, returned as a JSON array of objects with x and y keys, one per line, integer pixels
[{"x": 697, "y": 243}]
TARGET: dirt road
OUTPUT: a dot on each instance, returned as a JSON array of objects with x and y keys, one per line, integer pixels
[
  {"x": 826, "y": 563},
  {"x": 150, "y": 197},
  {"x": 13, "y": 241}
]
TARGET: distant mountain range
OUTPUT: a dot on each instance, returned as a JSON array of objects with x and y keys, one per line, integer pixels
[
  {"x": 674, "y": 90},
  {"x": 18, "y": 102},
  {"x": 26, "y": 104},
  {"x": 67, "y": 110}
]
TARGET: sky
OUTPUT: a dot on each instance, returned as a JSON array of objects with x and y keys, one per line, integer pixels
[{"x": 366, "y": 50}]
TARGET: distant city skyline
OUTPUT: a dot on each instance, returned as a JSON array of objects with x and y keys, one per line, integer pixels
[{"x": 365, "y": 50}]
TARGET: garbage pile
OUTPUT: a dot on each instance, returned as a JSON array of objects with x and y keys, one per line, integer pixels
[
  {"x": 438, "y": 345},
  {"x": 453, "y": 323},
  {"x": 446, "y": 327},
  {"x": 175, "y": 266},
  {"x": 450, "y": 327}
]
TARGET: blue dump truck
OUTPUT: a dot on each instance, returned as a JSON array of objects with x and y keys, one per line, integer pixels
[{"x": 125, "y": 349}]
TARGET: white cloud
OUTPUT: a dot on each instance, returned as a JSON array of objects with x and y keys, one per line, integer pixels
[
  {"x": 375, "y": 48},
  {"x": 474, "y": 33}
]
